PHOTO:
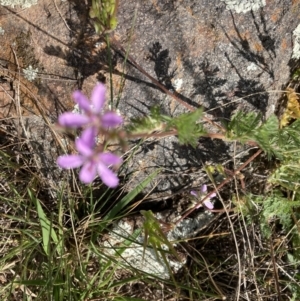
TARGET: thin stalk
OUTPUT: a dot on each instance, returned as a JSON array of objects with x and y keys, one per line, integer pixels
[
  {"x": 110, "y": 69},
  {"x": 171, "y": 133},
  {"x": 175, "y": 132}
]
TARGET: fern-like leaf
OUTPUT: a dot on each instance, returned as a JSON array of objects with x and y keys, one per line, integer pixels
[
  {"x": 276, "y": 206},
  {"x": 265, "y": 135},
  {"x": 188, "y": 130},
  {"x": 149, "y": 124},
  {"x": 242, "y": 126}
]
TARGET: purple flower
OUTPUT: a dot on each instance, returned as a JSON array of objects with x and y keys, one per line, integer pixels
[
  {"x": 200, "y": 195},
  {"x": 92, "y": 162},
  {"x": 93, "y": 114}
]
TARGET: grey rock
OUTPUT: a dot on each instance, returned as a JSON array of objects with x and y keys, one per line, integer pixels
[
  {"x": 228, "y": 55},
  {"x": 42, "y": 146}
]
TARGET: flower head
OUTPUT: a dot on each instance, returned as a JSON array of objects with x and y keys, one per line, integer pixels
[
  {"x": 93, "y": 114},
  {"x": 201, "y": 194},
  {"x": 92, "y": 162}
]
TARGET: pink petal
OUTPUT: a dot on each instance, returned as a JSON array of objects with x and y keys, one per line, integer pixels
[
  {"x": 69, "y": 161},
  {"x": 111, "y": 119},
  {"x": 98, "y": 97},
  {"x": 208, "y": 204},
  {"x": 194, "y": 193},
  {"x": 204, "y": 188},
  {"x": 72, "y": 120},
  {"x": 213, "y": 196},
  {"x": 88, "y": 137},
  {"x": 108, "y": 177},
  {"x": 88, "y": 172},
  {"x": 83, "y": 149},
  {"x": 82, "y": 101},
  {"x": 110, "y": 159}
]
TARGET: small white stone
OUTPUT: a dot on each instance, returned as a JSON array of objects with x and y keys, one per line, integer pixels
[
  {"x": 177, "y": 83},
  {"x": 252, "y": 67},
  {"x": 99, "y": 44},
  {"x": 2, "y": 31}
]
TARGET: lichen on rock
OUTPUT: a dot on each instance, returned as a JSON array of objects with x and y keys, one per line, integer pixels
[
  {"x": 30, "y": 73},
  {"x": 22, "y": 3},
  {"x": 296, "y": 48},
  {"x": 243, "y": 6}
]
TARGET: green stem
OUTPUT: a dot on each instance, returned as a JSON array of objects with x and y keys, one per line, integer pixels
[
  {"x": 174, "y": 133},
  {"x": 110, "y": 69},
  {"x": 171, "y": 133}
]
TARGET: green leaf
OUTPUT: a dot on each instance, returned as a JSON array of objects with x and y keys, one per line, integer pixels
[
  {"x": 46, "y": 226},
  {"x": 242, "y": 126},
  {"x": 103, "y": 13},
  {"x": 146, "y": 125},
  {"x": 188, "y": 130},
  {"x": 287, "y": 175},
  {"x": 156, "y": 238},
  {"x": 276, "y": 206},
  {"x": 288, "y": 142},
  {"x": 130, "y": 196},
  {"x": 296, "y": 74},
  {"x": 113, "y": 23},
  {"x": 7, "y": 159},
  {"x": 266, "y": 133}
]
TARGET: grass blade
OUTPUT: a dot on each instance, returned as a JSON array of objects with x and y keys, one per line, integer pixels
[
  {"x": 130, "y": 196},
  {"x": 46, "y": 225}
]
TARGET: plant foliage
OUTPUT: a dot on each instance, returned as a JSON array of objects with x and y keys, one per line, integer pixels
[
  {"x": 186, "y": 125},
  {"x": 155, "y": 121},
  {"x": 155, "y": 236},
  {"x": 276, "y": 206},
  {"x": 103, "y": 13},
  {"x": 188, "y": 128},
  {"x": 280, "y": 143},
  {"x": 157, "y": 239}
]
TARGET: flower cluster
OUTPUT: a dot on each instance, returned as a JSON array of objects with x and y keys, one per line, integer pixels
[{"x": 94, "y": 120}]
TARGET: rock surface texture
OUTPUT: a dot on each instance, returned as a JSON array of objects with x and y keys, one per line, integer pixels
[{"x": 223, "y": 55}]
